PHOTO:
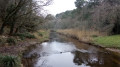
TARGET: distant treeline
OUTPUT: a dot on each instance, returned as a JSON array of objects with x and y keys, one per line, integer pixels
[{"x": 100, "y": 15}]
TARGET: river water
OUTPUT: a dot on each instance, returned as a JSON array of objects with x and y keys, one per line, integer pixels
[{"x": 61, "y": 51}]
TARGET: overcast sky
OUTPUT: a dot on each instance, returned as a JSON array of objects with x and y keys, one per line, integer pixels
[{"x": 59, "y": 6}]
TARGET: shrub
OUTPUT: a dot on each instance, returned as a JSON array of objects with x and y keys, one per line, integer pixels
[
  {"x": 2, "y": 41},
  {"x": 11, "y": 41},
  {"x": 40, "y": 34},
  {"x": 28, "y": 35},
  {"x": 94, "y": 36},
  {"x": 9, "y": 61},
  {"x": 24, "y": 35}
]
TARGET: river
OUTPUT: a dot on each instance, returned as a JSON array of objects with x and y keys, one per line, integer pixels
[{"x": 62, "y": 51}]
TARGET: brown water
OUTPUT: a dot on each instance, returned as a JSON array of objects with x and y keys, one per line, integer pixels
[{"x": 66, "y": 52}]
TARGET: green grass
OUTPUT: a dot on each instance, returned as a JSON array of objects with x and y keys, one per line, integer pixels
[
  {"x": 108, "y": 41},
  {"x": 9, "y": 61},
  {"x": 42, "y": 35}
]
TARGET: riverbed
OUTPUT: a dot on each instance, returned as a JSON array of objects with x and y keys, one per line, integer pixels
[{"x": 61, "y": 51}]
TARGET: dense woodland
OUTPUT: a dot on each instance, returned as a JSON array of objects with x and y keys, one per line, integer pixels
[
  {"x": 100, "y": 15},
  {"x": 25, "y": 15},
  {"x": 17, "y": 16},
  {"x": 19, "y": 26}
]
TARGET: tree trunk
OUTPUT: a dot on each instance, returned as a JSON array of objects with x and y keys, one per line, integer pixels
[
  {"x": 2, "y": 28},
  {"x": 12, "y": 28},
  {"x": 16, "y": 31}
]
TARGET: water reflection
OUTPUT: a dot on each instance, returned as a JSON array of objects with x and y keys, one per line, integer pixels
[
  {"x": 94, "y": 59},
  {"x": 63, "y": 52}
]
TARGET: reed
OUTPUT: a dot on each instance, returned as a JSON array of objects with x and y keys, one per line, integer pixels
[{"x": 84, "y": 35}]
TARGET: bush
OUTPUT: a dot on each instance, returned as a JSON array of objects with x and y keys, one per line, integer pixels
[
  {"x": 40, "y": 34},
  {"x": 94, "y": 36},
  {"x": 25, "y": 35},
  {"x": 9, "y": 61},
  {"x": 2, "y": 41},
  {"x": 11, "y": 41},
  {"x": 28, "y": 35}
]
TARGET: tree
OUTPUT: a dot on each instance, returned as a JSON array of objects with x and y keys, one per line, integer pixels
[
  {"x": 106, "y": 16},
  {"x": 10, "y": 13},
  {"x": 14, "y": 10},
  {"x": 80, "y": 3},
  {"x": 94, "y": 3}
]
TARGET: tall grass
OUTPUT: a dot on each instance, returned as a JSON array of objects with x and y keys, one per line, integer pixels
[
  {"x": 83, "y": 35},
  {"x": 42, "y": 35},
  {"x": 9, "y": 61}
]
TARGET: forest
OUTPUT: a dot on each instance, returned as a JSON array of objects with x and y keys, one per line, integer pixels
[
  {"x": 100, "y": 15},
  {"x": 92, "y": 20}
]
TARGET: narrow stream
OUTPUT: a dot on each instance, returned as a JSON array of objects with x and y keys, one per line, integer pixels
[{"x": 61, "y": 51}]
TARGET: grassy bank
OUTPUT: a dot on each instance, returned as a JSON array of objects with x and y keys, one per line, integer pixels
[
  {"x": 42, "y": 35},
  {"x": 108, "y": 41},
  {"x": 13, "y": 47},
  {"x": 94, "y": 37}
]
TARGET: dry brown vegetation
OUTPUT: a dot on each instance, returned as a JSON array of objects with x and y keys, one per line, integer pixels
[
  {"x": 82, "y": 35},
  {"x": 42, "y": 35}
]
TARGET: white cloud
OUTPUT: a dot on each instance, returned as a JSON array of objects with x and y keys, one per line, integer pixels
[{"x": 59, "y": 6}]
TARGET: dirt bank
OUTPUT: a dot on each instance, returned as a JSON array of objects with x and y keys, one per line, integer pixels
[
  {"x": 113, "y": 50},
  {"x": 20, "y": 47}
]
